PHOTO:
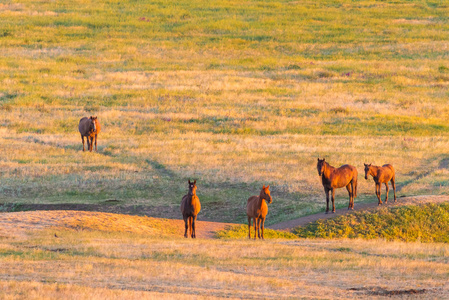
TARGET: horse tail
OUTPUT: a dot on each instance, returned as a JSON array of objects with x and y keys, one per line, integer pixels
[{"x": 354, "y": 182}]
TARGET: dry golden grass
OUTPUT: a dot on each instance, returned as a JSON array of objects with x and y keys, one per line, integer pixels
[{"x": 100, "y": 262}]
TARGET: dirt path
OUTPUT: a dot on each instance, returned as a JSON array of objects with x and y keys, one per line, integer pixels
[
  {"x": 287, "y": 225},
  {"x": 14, "y": 224}
]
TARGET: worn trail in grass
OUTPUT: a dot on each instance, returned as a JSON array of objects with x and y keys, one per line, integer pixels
[{"x": 17, "y": 222}]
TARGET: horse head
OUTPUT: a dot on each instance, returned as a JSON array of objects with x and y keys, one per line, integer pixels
[
  {"x": 367, "y": 167},
  {"x": 93, "y": 124},
  {"x": 192, "y": 188},
  {"x": 265, "y": 194},
  {"x": 320, "y": 166}
]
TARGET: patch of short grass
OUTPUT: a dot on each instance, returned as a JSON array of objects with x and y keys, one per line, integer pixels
[
  {"x": 426, "y": 223},
  {"x": 241, "y": 232}
]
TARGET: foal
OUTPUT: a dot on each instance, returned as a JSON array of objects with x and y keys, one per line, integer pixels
[
  {"x": 257, "y": 209},
  {"x": 334, "y": 178},
  {"x": 381, "y": 175}
]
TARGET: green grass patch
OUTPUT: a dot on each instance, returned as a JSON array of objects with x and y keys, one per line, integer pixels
[
  {"x": 426, "y": 223},
  {"x": 241, "y": 232}
]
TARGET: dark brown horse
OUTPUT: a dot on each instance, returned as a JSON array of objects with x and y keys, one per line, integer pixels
[
  {"x": 257, "y": 209},
  {"x": 381, "y": 175},
  {"x": 89, "y": 128},
  {"x": 190, "y": 207},
  {"x": 334, "y": 178}
]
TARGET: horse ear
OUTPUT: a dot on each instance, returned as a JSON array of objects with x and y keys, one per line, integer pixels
[
  {"x": 263, "y": 186},
  {"x": 189, "y": 181},
  {"x": 194, "y": 182},
  {"x": 268, "y": 186}
]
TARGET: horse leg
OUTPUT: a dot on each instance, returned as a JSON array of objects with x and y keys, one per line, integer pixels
[
  {"x": 326, "y": 191},
  {"x": 190, "y": 227},
  {"x": 88, "y": 143},
  {"x": 258, "y": 227},
  {"x": 255, "y": 227},
  {"x": 387, "y": 189},
  {"x": 333, "y": 200},
  {"x": 193, "y": 227},
  {"x": 185, "y": 222},
  {"x": 354, "y": 190},
  {"x": 95, "y": 143},
  {"x": 393, "y": 184},
  {"x": 91, "y": 144},
  {"x": 249, "y": 227},
  {"x": 82, "y": 138},
  {"x": 348, "y": 187},
  {"x": 378, "y": 194},
  {"x": 263, "y": 226}
]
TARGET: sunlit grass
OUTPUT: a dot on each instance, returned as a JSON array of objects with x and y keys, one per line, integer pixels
[
  {"x": 233, "y": 94},
  {"x": 92, "y": 259},
  {"x": 425, "y": 223}
]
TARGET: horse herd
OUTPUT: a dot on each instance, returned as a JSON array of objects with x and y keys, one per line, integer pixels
[{"x": 256, "y": 207}]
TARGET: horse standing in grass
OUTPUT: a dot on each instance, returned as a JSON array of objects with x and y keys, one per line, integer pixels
[
  {"x": 190, "y": 207},
  {"x": 89, "y": 128},
  {"x": 381, "y": 175},
  {"x": 334, "y": 178},
  {"x": 257, "y": 209}
]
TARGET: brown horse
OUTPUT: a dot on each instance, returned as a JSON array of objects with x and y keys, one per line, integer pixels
[
  {"x": 334, "y": 178},
  {"x": 89, "y": 128},
  {"x": 190, "y": 207},
  {"x": 381, "y": 175},
  {"x": 257, "y": 209}
]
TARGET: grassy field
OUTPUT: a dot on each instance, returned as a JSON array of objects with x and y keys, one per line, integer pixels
[
  {"x": 234, "y": 94},
  {"x": 105, "y": 256}
]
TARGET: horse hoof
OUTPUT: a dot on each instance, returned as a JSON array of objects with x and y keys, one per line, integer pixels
[
  {"x": 326, "y": 212},
  {"x": 333, "y": 211}
]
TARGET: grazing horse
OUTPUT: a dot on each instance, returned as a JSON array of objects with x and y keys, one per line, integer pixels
[
  {"x": 334, "y": 178},
  {"x": 257, "y": 209},
  {"x": 89, "y": 128},
  {"x": 381, "y": 175},
  {"x": 190, "y": 207}
]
